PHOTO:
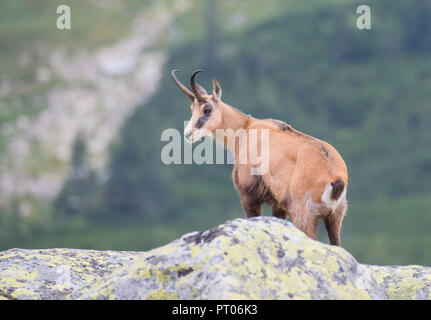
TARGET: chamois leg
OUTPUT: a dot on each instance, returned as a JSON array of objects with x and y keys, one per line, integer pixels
[
  {"x": 279, "y": 212},
  {"x": 311, "y": 228},
  {"x": 333, "y": 225},
  {"x": 304, "y": 220},
  {"x": 333, "y": 228},
  {"x": 250, "y": 206}
]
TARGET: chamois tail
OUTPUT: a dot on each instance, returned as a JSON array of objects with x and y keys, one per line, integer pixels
[{"x": 334, "y": 193}]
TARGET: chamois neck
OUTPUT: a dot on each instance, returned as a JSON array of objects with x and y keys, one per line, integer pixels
[{"x": 233, "y": 118}]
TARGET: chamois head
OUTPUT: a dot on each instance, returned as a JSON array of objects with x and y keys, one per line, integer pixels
[{"x": 206, "y": 114}]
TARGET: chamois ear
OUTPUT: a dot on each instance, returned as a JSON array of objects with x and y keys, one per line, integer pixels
[
  {"x": 201, "y": 90},
  {"x": 216, "y": 90}
]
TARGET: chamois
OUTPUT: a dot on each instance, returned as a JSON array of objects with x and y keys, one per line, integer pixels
[{"x": 307, "y": 178}]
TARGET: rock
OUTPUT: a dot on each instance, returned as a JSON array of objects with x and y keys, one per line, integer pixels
[
  {"x": 55, "y": 273},
  {"x": 258, "y": 258}
]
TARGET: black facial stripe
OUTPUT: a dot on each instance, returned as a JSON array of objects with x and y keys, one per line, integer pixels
[{"x": 201, "y": 121}]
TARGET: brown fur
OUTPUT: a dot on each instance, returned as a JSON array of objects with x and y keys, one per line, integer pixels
[{"x": 300, "y": 168}]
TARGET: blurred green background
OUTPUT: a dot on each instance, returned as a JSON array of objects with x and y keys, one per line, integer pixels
[{"x": 367, "y": 92}]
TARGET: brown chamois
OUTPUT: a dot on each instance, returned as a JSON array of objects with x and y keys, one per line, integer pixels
[{"x": 306, "y": 178}]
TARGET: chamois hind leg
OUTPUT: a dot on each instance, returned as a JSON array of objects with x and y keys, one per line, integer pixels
[
  {"x": 333, "y": 227},
  {"x": 333, "y": 224},
  {"x": 250, "y": 206},
  {"x": 304, "y": 219}
]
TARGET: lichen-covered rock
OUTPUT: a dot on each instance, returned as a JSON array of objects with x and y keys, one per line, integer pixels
[
  {"x": 258, "y": 258},
  {"x": 55, "y": 273}
]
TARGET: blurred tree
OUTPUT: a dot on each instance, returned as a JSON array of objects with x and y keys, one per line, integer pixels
[
  {"x": 211, "y": 42},
  {"x": 136, "y": 186},
  {"x": 79, "y": 191},
  {"x": 418, "y": 26}
]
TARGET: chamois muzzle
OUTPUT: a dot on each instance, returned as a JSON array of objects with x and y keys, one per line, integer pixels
[{"x": 182, "y": 87}]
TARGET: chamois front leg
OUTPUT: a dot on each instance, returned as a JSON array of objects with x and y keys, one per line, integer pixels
[
  {"x": 279, "y": 212},
  {"x": 250, "y": 206}
]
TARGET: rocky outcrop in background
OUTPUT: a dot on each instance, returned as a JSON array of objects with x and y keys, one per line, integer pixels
[
  {"x": 93, "y": 93},
  {"x": 258, "y": 258}
]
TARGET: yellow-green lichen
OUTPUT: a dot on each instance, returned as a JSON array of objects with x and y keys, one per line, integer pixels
[
  {"x": 161, "y": 294},
  {"x": 259, "y": 258}
]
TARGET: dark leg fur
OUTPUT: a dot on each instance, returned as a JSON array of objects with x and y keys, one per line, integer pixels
[
  {"x": 333, "y": 228},
  {"x": 250, "y": 206},
  {"x": 333, "y": 224},
  {"x": 279, "y": 212}
]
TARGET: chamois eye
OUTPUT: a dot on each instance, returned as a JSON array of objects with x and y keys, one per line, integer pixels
[{"x": 207, "y": 110}]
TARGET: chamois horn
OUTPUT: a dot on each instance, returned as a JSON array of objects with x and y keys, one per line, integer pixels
[
  {"x": 194, "y": 89},
  {"x": 182, "y": 87}
]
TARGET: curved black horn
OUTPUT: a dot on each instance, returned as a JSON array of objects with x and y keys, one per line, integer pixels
[
  {"x": 193, "y": 85},
  {"x": 182, "y": 87}
]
